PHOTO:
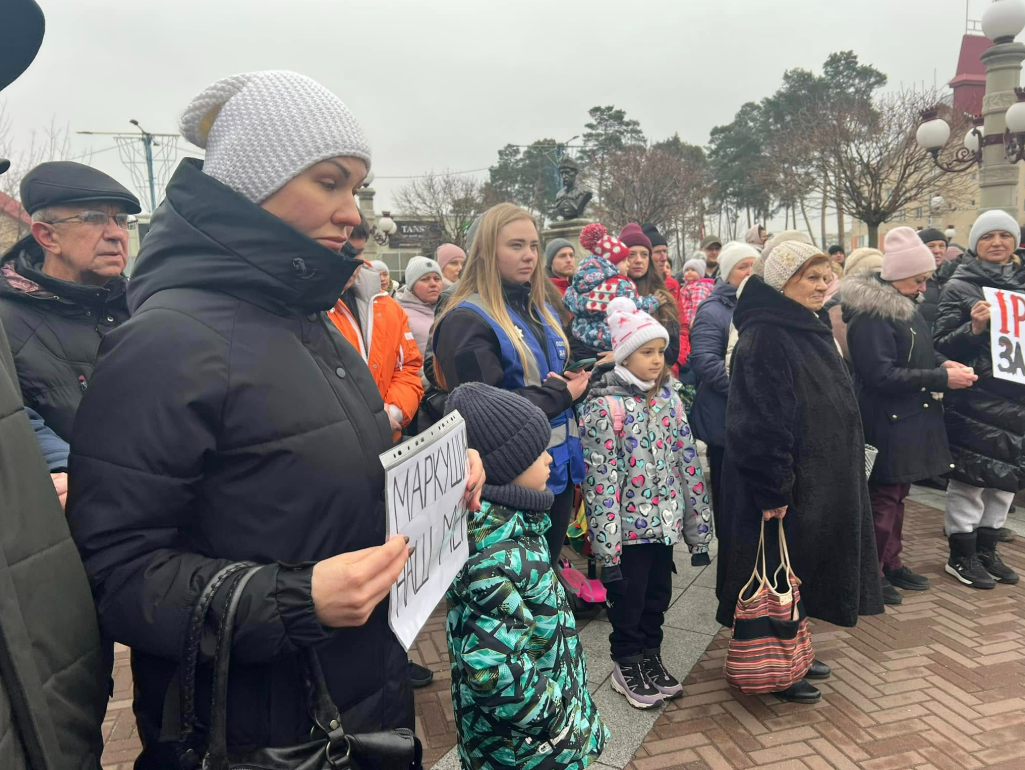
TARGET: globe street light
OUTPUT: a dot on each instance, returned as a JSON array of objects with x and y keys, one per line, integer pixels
[{"x": 1003, "y": 114}]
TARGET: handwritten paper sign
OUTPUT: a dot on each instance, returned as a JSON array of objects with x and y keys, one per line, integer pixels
[
  {"x": 1006, "y": 329},
  {"x": 425, "y": 479}
]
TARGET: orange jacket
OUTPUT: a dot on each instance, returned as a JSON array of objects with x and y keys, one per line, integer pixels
[{"x": 386, "y": 344}]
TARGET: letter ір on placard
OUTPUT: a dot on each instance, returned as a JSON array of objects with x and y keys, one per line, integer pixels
[
  {"x": 425, "y": 503},
  {"x": 1006, "y": 326}
]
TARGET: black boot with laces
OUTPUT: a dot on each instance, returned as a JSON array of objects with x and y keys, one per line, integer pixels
[
  {"x": 964, "y": 564},
  {"x": 986, "y": 547},
  {"x": 656, "y": 672}
]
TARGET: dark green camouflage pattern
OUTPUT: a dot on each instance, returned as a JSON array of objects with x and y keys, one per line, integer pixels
[{"x": 519, "y": 678}]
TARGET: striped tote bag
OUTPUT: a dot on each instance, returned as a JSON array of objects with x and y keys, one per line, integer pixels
[{"x": 771, "y": 644}]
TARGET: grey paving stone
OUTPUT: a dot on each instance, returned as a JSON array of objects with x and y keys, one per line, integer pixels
[
  {"x": 448, "y": 762},
  {"x": 595, "y": 639},
  {"x": 628, "y": 726},
  {"x": 695, "y": 611}
]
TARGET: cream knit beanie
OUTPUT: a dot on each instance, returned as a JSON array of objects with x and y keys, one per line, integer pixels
[
  {"x": 785, "y": 260},
  {"x": 261, "y": 129}
]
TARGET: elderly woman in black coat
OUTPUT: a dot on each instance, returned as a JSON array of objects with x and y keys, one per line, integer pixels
[
  {"x": 899, "y": 380},
  {"x": 985, "y": 424},
  {"x": 795, "y": 451}
]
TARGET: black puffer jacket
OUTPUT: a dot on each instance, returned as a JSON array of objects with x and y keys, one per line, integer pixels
[
  {"x": 896, "y": 371},
  {"x": 54, "y": 677},
  {"x": 228, "y": 420},
  {"x": 54, "y": 328},
  {"x": 986, "y": 422}
]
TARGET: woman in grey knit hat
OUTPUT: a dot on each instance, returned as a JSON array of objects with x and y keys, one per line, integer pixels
[{"x": 246, "y": 430}]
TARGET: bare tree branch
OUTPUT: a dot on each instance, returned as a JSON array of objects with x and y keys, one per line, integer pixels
[{"x": 450, "y": 201}]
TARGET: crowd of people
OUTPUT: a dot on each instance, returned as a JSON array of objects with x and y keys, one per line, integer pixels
[{"x": 228, "y": 402}]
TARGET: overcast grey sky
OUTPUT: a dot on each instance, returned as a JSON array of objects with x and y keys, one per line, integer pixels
[{"x": 445, "y": 84}]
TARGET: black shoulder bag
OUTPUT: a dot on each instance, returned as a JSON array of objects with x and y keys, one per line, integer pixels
[{"x": 329, "y": 748}]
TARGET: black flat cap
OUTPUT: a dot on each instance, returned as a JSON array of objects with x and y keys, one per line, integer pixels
[
  {"x": 62, "y": 182},
  {"x": 4, "y": 165}
]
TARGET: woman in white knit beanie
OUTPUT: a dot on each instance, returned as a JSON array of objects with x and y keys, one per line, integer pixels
[{"x": 247, "y": 430}]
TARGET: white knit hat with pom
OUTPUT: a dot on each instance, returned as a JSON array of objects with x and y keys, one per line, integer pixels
[
  {"x": 261, "y": 129},
  {"x": 631, "y": 328}
]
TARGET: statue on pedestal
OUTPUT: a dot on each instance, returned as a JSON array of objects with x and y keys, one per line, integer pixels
[{"x": 571, "y": 200}]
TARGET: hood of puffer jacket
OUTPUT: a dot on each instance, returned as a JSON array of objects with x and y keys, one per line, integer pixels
[
  {"x": 411, "y": 302},
  {"x": 206, "y": 236},
  {"x": 495, "y": 523},
  {"x": 592, "y": 272},
  {"x": 870, "y": 294},
  {"x": 754, "y": 237},
  {"x": 725, "y": 294}
]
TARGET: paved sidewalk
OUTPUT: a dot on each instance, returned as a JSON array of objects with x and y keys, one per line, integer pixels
[{"x": 937, "y": 683}]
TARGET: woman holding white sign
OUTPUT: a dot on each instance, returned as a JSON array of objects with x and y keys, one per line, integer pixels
[
  {"x": 498, "y": 329},
  {"x": 985, "y": 423},
  {"x": 228, "y": 421}
]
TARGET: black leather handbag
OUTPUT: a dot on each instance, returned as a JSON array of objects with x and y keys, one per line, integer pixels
[{"x": 329, "y": 747}]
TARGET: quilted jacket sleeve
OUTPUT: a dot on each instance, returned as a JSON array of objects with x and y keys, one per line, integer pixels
[
  {"x": 493, "y": 650},
  {"x": 600, "y": 486},
  {"x": 133, "y": 495},
  {"x": 697, "y": 533},
  {"x": 708, "y": 339},
  {"x": 952, "y": 331}
]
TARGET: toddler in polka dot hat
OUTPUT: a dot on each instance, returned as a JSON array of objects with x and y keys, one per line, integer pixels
[{"x": 596, "y": 283}]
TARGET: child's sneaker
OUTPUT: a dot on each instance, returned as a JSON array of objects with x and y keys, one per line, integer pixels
[
  {"x": 656, "y": 673},
  {"x": 628, "y": 680}
]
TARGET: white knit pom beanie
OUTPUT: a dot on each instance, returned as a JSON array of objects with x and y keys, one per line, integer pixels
[
  {"x": 261, "y": 129},
  {"x": 631, "y": 328}
]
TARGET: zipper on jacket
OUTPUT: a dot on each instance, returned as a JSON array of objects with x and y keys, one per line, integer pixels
[{"x": 82, "y": 383}]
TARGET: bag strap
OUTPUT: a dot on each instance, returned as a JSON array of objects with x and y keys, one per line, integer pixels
[
  {"x": 759, "y": 554},
  {"x": 617, "y": 413},
  {"x": 190, "y": 656},
  {"x": 325, "y": 714},
  {"x": 217, "y": 744}
]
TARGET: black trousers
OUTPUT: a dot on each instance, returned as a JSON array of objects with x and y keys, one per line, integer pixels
[
  {"x": 559, "y": 514},
  {"x": 715, "y": 460},
  {"x": 637, "y": 604}
]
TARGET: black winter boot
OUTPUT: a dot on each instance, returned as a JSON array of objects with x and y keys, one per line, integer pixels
[
  {"x": 986, "y": 546},
  {"x": 964, "y": 564}
]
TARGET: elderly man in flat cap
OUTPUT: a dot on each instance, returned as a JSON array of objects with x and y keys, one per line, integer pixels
[{"x": 61, "y": 287}]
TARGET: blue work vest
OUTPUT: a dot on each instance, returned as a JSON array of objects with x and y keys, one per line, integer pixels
[{"x": 564, "y": 447}]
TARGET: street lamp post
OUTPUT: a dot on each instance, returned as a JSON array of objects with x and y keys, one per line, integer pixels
[{"x": 997, "y": 142}]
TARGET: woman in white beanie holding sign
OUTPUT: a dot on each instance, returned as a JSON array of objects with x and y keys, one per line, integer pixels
[
  {"x": 795, "y": 451},
  {"x": 900, "y": 382},
  {"x": 985, "y": 423},
  {"x": 227, "y": 421}
]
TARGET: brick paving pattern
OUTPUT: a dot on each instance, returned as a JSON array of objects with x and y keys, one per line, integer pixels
[{"x": 937, "y": 683}]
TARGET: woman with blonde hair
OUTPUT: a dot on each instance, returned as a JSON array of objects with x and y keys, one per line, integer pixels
[{"x": 498, "y": 329}]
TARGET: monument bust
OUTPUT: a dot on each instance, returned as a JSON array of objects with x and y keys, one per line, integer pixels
[{"x": 571, "y": 200}]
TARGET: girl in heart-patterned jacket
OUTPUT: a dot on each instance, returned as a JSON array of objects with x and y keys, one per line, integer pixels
[{"x": 644, "y": 487}]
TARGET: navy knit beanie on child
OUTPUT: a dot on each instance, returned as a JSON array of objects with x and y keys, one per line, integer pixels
[{"x": 508, "y": 431}]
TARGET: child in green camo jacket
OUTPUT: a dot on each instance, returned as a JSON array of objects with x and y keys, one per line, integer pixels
[{"x": 519, "y": 679}]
